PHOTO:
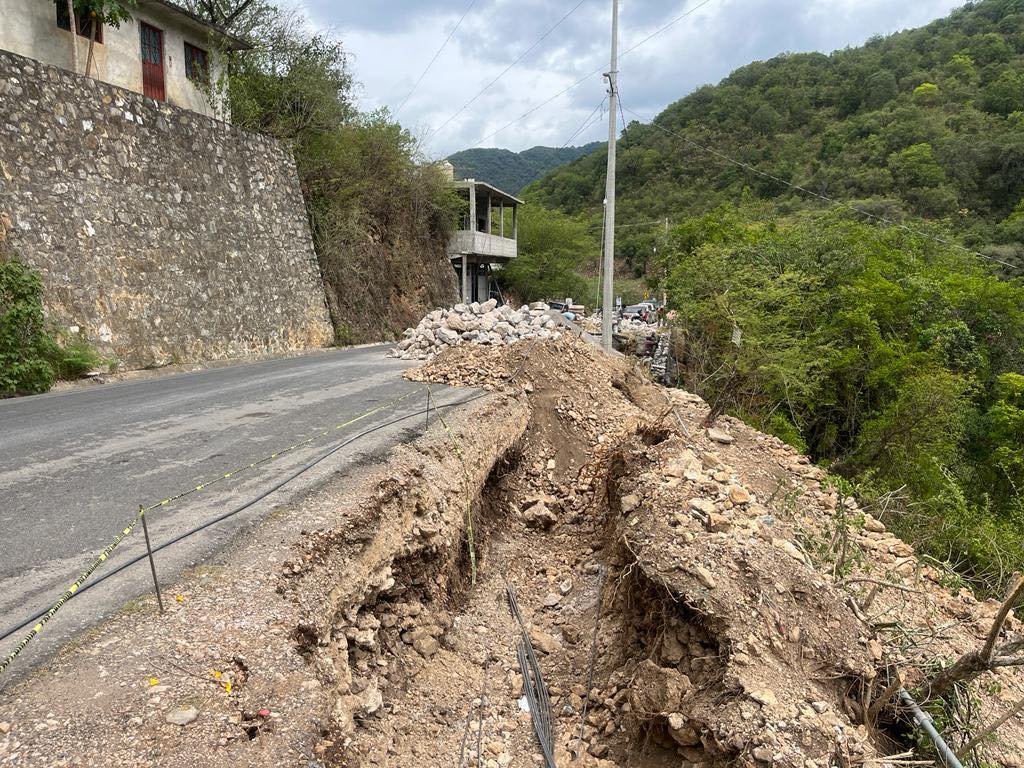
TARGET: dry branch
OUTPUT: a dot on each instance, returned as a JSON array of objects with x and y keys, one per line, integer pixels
[{"x": 985, "y": 659}]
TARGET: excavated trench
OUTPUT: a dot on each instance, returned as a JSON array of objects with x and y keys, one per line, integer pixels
[
  {"x": 407, "y": 618},
  {"x": 410, "y": 626}
]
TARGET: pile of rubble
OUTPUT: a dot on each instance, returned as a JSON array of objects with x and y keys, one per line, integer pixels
[
  {"x": 626, "y": 325},
  {"x": 476, "y": 323}
]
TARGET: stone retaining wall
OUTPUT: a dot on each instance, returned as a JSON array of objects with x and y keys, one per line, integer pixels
[{"x": 161, "y": 235}]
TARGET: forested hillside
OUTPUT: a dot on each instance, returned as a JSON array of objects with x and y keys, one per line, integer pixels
[
  {"x": 511, "y": 171},
  {"x": 894, "y": 359},
  {"x": 928, "y": 123}
]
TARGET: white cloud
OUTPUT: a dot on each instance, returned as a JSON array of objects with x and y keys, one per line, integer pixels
[{"x": 391, "y": 48}]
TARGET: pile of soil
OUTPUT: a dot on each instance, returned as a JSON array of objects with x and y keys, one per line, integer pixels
[{"x": 681, "y": 587}]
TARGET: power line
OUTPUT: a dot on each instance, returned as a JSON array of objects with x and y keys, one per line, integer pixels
[
  {"x": 661, "y": 29},
  {"x": 586, "y": 123},
  {"x": 831, "y": 201},
  {"x": 534, "y": 109},
  {"x": 504, "y": 72},
  {"x": 436, "y": 55},
  {"x": 652, "y": 222},
  {"x": 598, "y": 71}
]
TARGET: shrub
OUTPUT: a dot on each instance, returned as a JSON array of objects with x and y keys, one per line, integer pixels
[
  {"x": 24, "y": 368},
  {"x": 31, "y": 358},
  {"x": 894, "y": 361}
]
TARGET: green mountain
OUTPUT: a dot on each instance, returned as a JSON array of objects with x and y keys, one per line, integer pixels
[
  {"x": 511, "y": 171},
  {"x": 926, "y": 123},
  {"x": 894, "y": 360}
]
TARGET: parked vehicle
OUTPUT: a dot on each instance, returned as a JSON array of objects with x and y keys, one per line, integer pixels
[{"x": 636, "y": 312}]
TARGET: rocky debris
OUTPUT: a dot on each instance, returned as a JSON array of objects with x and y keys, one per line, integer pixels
[
  {"x": 476, "y": 323},
  {"x": 182, "y": 716},
  {"x": 722, "y": 639},
  {"x": 721, "y": 437},
  {"x": 539, "y": 512}
]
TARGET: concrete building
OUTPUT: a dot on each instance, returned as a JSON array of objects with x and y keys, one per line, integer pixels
[
  {"x": 164, "y": 51},
  {"x": 486, "y": 239}
]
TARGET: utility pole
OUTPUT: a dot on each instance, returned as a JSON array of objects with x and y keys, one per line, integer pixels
[
  {"x": 609, "y": 223},
  {"x": 664, "y": 281}
]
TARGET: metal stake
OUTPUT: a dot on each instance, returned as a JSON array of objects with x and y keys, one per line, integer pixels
[
  {"x": 152, "y": 562},
  {"x": 428, "y": 408}
]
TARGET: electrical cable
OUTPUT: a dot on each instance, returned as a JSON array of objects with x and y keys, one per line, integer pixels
[
  {"x": 831, "y": 201},
  {"x": 436, "y": 55},
  {"x": 180, "y": 537},
  {"x": 598, "y": 71},
  {"x": 587, "y": 123},
  {"x": 504, "y": 72}
]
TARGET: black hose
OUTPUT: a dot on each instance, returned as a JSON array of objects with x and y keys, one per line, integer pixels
[{"x": 11, "y": 630}]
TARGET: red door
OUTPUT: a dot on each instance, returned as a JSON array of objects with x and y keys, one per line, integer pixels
[{"x": 152, "y": 62}]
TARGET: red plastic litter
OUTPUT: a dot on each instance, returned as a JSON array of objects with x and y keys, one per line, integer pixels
[{"x": 264, "y": 712}]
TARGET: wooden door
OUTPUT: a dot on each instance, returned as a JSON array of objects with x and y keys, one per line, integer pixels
[{"x": 152, "y": 62}]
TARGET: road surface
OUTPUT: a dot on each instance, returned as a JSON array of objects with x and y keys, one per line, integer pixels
[{"x": 76, "y": 465}]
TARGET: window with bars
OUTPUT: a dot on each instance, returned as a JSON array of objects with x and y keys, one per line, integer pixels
[
  {"x": 197, "y": 64},
  {"x": 83, "y": 21}
]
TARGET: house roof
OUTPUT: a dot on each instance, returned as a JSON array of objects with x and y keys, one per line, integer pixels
[
  {"x": 233, "y": 42},
  {"x": 493, "y": 190}
]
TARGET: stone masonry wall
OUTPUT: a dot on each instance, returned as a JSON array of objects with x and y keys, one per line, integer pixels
[{"x": 161, "y": 235}]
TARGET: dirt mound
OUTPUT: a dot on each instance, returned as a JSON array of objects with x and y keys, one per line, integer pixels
[{"x": 673, "y": 582}]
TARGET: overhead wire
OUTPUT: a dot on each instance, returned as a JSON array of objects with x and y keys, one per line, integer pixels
[
  {"x": 504, "y": 72},
  {"x": 598, "y": 71},
  {"x": 444, "y": 45},
  {"x": 811, "y": 193},
  {"x": 598, "y": 110}
]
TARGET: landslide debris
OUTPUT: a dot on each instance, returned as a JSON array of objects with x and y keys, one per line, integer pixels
[
  {"x": 674, "y": 586},
  {"x": 477, "y": 323},
  {"x": 695, "y": 597}
]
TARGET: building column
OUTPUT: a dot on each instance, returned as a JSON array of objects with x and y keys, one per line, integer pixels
[
  {"x": 501, "y": 212},
  {"x": 488, "y": 214},
  {"x": 465, "y": 278},
  {"x": 515, "y": 222},
  {"x": 472, "y": 207}
]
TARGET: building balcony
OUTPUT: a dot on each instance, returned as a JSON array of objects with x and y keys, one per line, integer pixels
[{"x": 493, "y": 247}]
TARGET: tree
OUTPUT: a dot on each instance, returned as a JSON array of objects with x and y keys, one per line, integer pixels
[
  {"x": 926, "y": 93},
  {"x": 916, "y": 166},
  {"x": 890, "y": 358},
  {"x": 1005, "y": 94},
  {"x": 109, "y": 12},
  {"x": 552, "y": 248},
  {"x": 73, "y": 22}
]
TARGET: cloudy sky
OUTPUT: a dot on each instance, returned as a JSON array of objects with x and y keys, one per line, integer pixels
[{"x": 392, "y": 42}]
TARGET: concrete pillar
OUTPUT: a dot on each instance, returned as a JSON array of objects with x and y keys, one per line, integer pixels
[
  {"x": 501, "y": 209},
  {"x": 465, "y": 278},
  {"x": 472, "y": 207},
  {"x": 488, "y": 214},
  {"x": 515, "y": 222}
]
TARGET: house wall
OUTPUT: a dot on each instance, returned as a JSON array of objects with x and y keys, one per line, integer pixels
[
  {"x": 30, "y": 29},
  {"x": 160, "y": 234}
]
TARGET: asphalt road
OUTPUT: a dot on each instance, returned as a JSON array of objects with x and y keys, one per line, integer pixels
[{"x": 76, "y": 465}]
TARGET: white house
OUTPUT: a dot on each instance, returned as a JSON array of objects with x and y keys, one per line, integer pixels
[{"x": 165, "y": 51}]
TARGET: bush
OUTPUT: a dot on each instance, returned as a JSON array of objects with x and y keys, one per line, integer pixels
[
  {"x": 30, "y": 356},
  {"x": 895, "y": 361},
  {"x": 24, "y": 343}
]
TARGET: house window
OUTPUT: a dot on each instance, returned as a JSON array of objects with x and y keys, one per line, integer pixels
[
  {"x": 197, "y": 64},
  {"x": 83, "y": 21}
]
